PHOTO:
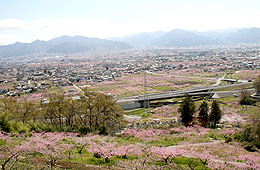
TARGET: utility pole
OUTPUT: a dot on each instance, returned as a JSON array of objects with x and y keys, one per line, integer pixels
[{"x": 146, "y": 100}]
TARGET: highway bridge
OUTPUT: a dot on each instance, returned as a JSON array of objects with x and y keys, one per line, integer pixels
[{"x": 140, "y": 101}]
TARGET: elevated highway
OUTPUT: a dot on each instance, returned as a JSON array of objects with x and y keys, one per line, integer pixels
[{"x": 143, "y": 100}]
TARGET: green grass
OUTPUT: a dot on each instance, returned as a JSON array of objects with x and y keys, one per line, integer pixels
[
  {"x": 252, "y": 110},
  {"x": 54, "y": 89},
  {"x": 102, "y": 88},
  {"x": 126, "y": 140},
  {"x": 17, "y": 165},
  {"x": 170, "y": 141},
  {"x": 183, "y": 162},
  {"x": 212, "y": 136},
  {"x": 2, "y": 142},
  {"x": 245, "y": 86},
  {"x": 161, "y": 88},
  {"x": 80, "y": 161},
  {"x": 137, "y": 112},
  {"x": 88, "y": 159},
  {"x": 229, "y": 99}
]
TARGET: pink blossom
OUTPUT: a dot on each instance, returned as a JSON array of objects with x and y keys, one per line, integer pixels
[{"x": 166, "y": 154}]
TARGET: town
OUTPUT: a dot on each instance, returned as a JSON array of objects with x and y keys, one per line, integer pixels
[
  {"x": 126, "y": 108},
  {"x": 36, "y": 73}
]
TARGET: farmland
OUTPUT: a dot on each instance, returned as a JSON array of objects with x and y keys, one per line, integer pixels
[{"x": 63, "y": 115}]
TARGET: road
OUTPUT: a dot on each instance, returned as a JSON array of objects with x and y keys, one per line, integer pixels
[
  {"x": 77, "y": 87},
  {"x": 218, "y": 82},
  {"x": 132, "y": 117},
  {"x": 178, "y": 93}
]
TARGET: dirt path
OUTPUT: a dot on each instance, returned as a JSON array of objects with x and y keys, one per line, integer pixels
[
  {"x": 132, "y": 117},
  {"x": 198, "y": 144},
  {"x": 215, "y": 142}
]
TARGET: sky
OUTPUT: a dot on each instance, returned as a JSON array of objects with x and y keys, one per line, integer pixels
[{"x": 30, "y": 20}]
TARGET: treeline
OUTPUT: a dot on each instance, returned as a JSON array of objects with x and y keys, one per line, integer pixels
[
  {"x": 188, "y": 108},
  {"x": 91, "y": 112},
  {"x": 248, "y": 135}
]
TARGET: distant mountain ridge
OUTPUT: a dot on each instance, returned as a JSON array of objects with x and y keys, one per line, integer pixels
[
  {"x": 182, "y": 38},
  {"x": 64, "y": 44},
  {"x": 174, "y": 38},
  {"x": 248, "y": 35},
  {"x": 185, "y": 38},
  {"x": 140, "y": 39}
]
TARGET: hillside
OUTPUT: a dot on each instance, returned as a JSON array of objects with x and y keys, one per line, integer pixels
[
  {"x": 140, "y": 39},
  {"x": 185, "y": 38},
  {"x": 182, "y": 38},
  {"x": 63, "y": 44},
  {"x": 174, "y": 38},
  {"x": 247, "y": 35}
]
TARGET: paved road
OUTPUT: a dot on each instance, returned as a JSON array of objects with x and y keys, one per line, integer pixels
[
  {"x": 218, "y": 82},
  {"x": 178, "y": 93}
]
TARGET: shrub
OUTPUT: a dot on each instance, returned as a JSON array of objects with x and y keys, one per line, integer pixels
[
  {"x": 103, "y": 131},
  {"x": 245, "y": 98},
  {"x": 238, "y": 137},
  {"x": 249, "y": 137},
  {"x": 249, "y": 147},
  {"x": 40, "y": 126},
  {"x": 5, "y": 121},
  {"x": 23, "y": 129},
  {"x": 84, "y": 130},
  {"x": 228, "y": 139}
]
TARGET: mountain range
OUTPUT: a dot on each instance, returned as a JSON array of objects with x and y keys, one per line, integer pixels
[
  {"x": 174, "y": 38},
  {"x": 64, "y": 44},
  {"x": 184, "y": 38}
]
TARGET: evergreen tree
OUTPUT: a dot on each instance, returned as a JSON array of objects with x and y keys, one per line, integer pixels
[
  {"x": 203, "y": 112},
  {"x": 215, "y": 114},
  {"x": 187, "y": 109}
]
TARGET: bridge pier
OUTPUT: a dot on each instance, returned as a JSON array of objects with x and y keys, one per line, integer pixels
[
  {"x": 144, "y": 104},
  {"x": 134, "y": 105},
  {"x": 130, "y": 105}
]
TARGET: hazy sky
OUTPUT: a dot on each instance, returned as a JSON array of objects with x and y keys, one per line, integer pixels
[{"x": 28, "y": 20}]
